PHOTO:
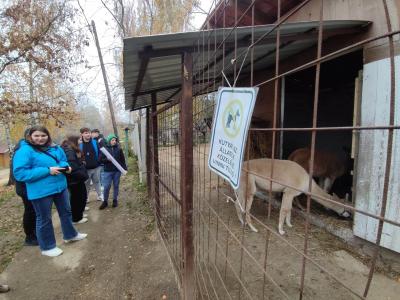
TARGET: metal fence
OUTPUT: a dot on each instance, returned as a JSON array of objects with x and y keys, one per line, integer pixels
[{"x": 213, "y": 255}]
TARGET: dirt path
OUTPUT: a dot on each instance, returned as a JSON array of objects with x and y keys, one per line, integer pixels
[{"x": 121, "y": 259}]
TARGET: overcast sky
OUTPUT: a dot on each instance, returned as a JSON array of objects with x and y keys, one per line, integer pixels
[{"x": 91, "y": 79}]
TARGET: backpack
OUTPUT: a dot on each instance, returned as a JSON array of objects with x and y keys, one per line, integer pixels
[{"x": 20, "y": 187}]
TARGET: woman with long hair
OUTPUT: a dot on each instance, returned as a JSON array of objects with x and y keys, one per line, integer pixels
[
  {"x": 76, "y": 179},
  {"x": 42, "y": 165}
]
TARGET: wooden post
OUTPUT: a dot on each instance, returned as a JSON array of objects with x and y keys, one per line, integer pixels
[
  {"x": 186, "y": 139},
  {"x": 103, "y": 71}
]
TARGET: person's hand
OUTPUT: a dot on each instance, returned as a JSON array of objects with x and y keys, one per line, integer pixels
[
  {"x": 55, "y": 170},
  {"x": 69, "y": 170}
]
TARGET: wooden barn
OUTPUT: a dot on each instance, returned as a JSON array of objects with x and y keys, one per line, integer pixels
[{"x": 4, "y": 157}]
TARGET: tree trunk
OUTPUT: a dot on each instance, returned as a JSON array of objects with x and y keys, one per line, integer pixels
[{"x": 11, "y": 149}]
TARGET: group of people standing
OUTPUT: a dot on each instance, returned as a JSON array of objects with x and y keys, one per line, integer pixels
[{"x": 46, "y": 173}]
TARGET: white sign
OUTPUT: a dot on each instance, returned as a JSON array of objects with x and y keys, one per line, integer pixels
[
  {"x": 112, "y": 159},
  {"x": 229, "y": 132}
]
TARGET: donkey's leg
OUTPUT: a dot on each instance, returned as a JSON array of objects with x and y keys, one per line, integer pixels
[
  {"x": 285, "y": 212},
  {"x": 251, "y": 190},
  {"x": 328, "y": 182},
  {"x": 321, "y": 182},
  {"x": 239, "y": 204}
]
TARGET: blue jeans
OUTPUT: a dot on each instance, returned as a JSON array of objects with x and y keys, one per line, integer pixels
[
  {"x": 111, "y": 177},
  {"x": 44, "y": 224},
  {"x": 102, "y": 175}
]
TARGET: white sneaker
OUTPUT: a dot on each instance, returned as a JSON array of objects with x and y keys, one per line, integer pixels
[
  {"x": 100, "y": 198},
  {"x": 87, "y": 208},
  {"x": 85, "y": 215},
  {"x": 79, "y": 237},
  {"x": 52, "y": 252},
  {"x": 81, "y": 221}
]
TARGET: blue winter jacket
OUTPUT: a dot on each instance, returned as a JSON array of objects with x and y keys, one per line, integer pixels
[{"x": 32, "y": 167}]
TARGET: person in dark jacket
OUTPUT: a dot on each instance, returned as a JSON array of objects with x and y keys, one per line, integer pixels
[
  {"x": 29, "y": 216},
  {"x": 96, "y": 135},
  {"x": 76, "y": 180},
  {"x": 91, "y": 152},
  {"x": 111, "y": 173}
]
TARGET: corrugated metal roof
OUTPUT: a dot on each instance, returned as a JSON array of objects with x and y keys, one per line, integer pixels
[{"x": 162, "y": 74}]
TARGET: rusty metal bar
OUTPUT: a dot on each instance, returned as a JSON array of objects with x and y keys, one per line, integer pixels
[
  {"x": 173, "y": 195},
  {"x": 148, "y": 154},
  {"x": 186, "y": 121},
  {"x": 155, "y": 163},
  {"x": 313, "y": 140},
  {"x": 355, "y": 128}
]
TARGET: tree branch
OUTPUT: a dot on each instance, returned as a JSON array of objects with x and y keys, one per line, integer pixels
[
  {"x": 115, "y": 18},
  {"x": 35, "y": 40}
]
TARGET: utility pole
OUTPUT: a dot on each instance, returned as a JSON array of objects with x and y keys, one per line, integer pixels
[{"x": 105, "y": 80}]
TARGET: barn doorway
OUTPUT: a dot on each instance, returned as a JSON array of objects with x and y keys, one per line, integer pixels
[{"x": 335, "y": 108}]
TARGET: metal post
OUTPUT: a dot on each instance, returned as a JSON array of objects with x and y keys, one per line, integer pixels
[
  {"x": 154, "y": 146},
  {"x": 126, "y": 148},
  {"x": 148, "y": 153},
  {"x": 186, "y": 139}
]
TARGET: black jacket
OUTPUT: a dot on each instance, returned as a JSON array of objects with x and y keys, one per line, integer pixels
[
  {"x": 78, "y": 173},
  {"x": 118, "y": 155},
  {"x": 91, "y": 153}
]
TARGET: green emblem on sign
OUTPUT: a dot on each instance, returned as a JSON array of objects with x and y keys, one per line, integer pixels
[{"x": 232, "y": 118}]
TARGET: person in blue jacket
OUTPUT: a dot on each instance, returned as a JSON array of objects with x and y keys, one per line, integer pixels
[{"x": 41, "y": 165}]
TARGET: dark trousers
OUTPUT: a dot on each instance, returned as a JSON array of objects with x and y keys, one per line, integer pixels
[
  {"x": 78, "y": 199},
  {"x": 29, "y": 220},
  {"x": 108, "y": 179}
]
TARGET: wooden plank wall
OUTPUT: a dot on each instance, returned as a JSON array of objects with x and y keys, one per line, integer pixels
[{"x": 372, "y": 155}]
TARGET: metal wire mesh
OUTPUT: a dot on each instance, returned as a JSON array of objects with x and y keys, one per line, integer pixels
[{"x": 229, "y": 260}]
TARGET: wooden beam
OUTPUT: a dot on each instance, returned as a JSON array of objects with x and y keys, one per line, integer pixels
[{"x": 186, "y": 179}]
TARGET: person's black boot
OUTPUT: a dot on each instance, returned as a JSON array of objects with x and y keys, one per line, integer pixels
[
  {"x": 103, "y": 205},
  {"x": 115, "y": 203},
  {"x": 31, "y": 241}
]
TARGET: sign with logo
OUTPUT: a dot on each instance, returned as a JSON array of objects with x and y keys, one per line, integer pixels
[{"x": 229, "y": 132}]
